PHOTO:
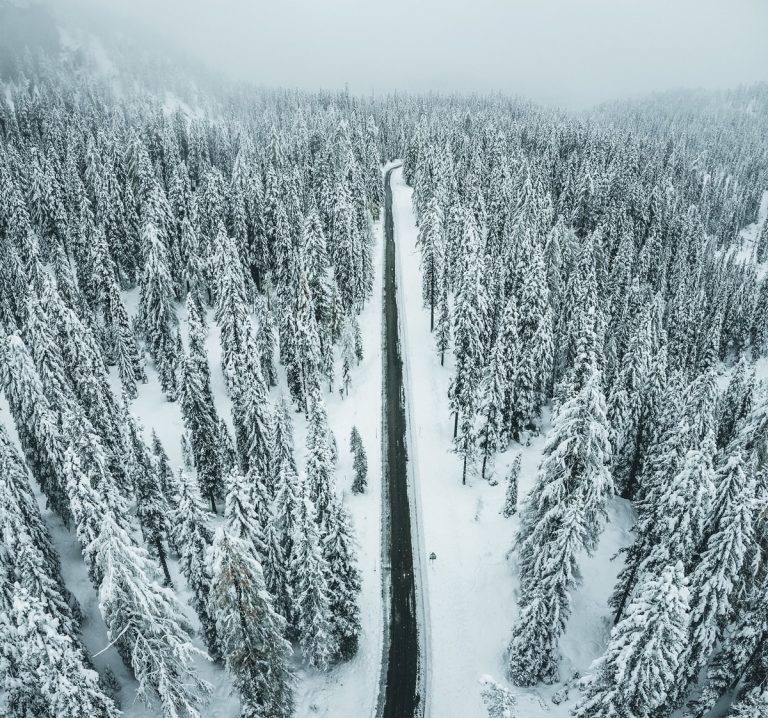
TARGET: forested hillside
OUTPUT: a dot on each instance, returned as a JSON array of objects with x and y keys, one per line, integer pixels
[{"x": 163, "y": 231}]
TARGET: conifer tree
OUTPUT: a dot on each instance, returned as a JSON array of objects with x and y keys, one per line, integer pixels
[
  {"x": 198, "y": 410},
  {"x": 499, "y": 701},
  {"x": 192, "y": 536},
  {"x": 535, "y": 340},
  {"x": 443, "y": 334},
  {"x": 510, "y": 498},
  {"x": 146, "y": 624},
  {"x": 265, "y": 339},
  {"x": 640, "y": 667},
  {"x": 343, "y": 581},
  {"x": 45, "y": 673},
  {"x": 241, "y": 515},
  {"x": 360, "y": 462},
  {"x": 493, "y": 392},
  {"x": 716, "y": 577},
  {"x": 563, "y": 515},
  {"x": 250, "y": 631},
  {"x": 157, "y": 316},
  {"x": 347, "y": 354},
  {"x": 430, "y": 241},
  {"x": 311, "y": 592}
]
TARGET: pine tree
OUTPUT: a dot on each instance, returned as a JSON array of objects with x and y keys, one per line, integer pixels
[
  {"x": 250, "y": 631},
  {"x": 146, "y": 624},
  {"x": 641, "y": 665},
  {"x": 563, "y": 515},
  {"x": 198, "y": 410},
  {"x": 343, "y": 580},
  {"x": 241, "y": 515},
  {"x": 360, "y": 462},
  {"x": 319, "y": 463},
  {"x": 443, "y": 334},
  {"x": 535, "y": 339},
  {"x": 468, "y": 321},
  {"x": 311, "y": 592},
  {"x": 716, "y": 577},
  {"x": 265, "y": 339},
  {"x": 510, "y": 498},
  {"x": 192, "y": 536},
  {"x": 430, "y": 241},
  {"x": 157, "y": 315},
  {"x": 754, "y": 704},
  {"x": 736, "y": 402},
  {"x": 44, "y": 672},
  {"x": 493, "y": 392}
]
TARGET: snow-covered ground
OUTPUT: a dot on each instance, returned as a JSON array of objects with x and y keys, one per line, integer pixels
[
  {"x": 471, "y": 584},
  {"x": 350, "y": 689}
]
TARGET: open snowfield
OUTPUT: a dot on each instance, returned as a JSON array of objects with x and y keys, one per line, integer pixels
[{"x": 471, "y": 585}]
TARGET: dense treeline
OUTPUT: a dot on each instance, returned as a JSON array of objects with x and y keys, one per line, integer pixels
[
  {"x": 255, "y": 214},
  {"x": 593, "y": 266},
  {"x": 588, "y": 266}
]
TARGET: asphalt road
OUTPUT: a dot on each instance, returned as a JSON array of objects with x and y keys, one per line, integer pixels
[{"x": 401, "y": 693}]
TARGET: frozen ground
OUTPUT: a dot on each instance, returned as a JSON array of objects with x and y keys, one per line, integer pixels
[
  {"x": 350, "y": 689},
  {"x": 471, "y": 585}
]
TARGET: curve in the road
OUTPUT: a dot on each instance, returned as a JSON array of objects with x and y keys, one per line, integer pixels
[{"x": 401, "y": 698}]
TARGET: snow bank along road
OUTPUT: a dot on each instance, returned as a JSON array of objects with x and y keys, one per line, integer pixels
[{"x": 401, "y": 697}]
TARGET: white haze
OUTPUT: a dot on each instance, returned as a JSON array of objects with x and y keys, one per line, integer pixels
[{"x": 569, "y": 52}]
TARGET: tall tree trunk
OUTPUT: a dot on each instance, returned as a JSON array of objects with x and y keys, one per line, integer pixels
[
  {"x": 432, "y": 305},
  {"x": 456, "y": 424},
  {"x": 464, "y": 472},
  {"x": 213, "y": 503},
  {"x": 163, "y": 562},
  {"x": 485, "y": 461}
]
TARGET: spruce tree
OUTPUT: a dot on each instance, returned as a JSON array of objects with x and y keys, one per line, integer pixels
[
  {"x": 312, "y": 598},
  {"x": 250, "y": 631},
  {"x": 198, "y": 410},
  {"x": 146, "y": 623},
  {"x": 192, "y": 536},
  {"x": 45, "y": 673},
  {"x": 642, "y": 662},
  {"x": 430, "y": 242},
  {"x": 343, "y": 580},
  {"x": 359, "y": 462},
  {"x": 510, "y": 497},
  {"x": 157, "y": 315}
]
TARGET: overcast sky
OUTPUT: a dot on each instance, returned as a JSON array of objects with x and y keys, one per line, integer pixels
[{"x": 570, "y": 52}]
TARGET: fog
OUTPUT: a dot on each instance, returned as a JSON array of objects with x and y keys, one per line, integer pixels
[{"x": 568, "y": 52}]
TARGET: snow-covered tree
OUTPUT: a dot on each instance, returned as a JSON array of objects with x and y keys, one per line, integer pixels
[
  {"x": 250, "y": 631},
  {"x": 642, "y": 663},
  {"x": 359, "y": 462}
]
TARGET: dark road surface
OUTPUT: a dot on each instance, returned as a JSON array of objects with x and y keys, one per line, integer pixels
[{"x": 401, "y": 699}]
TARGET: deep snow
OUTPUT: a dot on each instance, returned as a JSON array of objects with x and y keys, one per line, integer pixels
[
  {"x": 471, "y": 584},
  {"x": 350, "y": 689}
]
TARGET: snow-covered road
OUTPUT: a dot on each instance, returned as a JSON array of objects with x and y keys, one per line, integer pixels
[{"x": 470, "y": 587}]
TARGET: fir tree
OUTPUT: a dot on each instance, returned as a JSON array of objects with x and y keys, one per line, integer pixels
[
  {"x": 250, "y": 631},
  {"x": 510, "y": 498},
  {"x": 157, "y": 315},
  {"x": 343, "y": 581},
  {"x": 192, "y": 536},
  {"x": 146, "y": 624},
  {"x": 45, "y": 673},
  {"x": 198, "y": 410},
  {"x": 360, "y": 462},
  {"x": 311, "y": 592},
  {"x": 640, "y": 667}
]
